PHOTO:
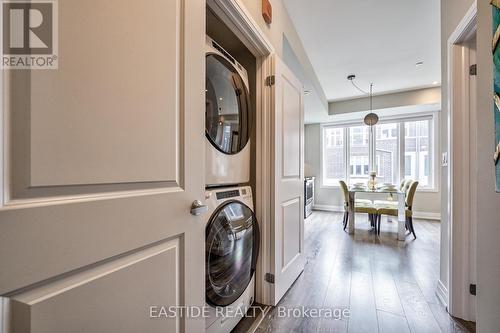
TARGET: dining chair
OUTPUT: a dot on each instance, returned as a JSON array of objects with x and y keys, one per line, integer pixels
[
  {"x": 393, "y": 211},
  {"x": 403, "y": 187},
  {"x": 360, "y": 206}
]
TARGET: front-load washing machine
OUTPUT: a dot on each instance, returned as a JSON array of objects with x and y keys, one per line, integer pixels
[
  {"x": 228, "y": 118},
  {"x": 231, "y": 249}
]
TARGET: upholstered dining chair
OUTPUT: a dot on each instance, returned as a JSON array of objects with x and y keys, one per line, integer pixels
[
  {"x": 393, "y": 211},
  {"x": 360, "y": 206},
  {"x": 403, "y": 187}
]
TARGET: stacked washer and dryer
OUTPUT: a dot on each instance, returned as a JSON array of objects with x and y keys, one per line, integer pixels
[{"x": 232, "y": 232}]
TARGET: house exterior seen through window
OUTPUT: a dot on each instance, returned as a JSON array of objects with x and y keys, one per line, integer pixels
[{"x": 395, "y": 150}]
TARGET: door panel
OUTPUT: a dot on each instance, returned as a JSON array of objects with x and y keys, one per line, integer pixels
[
  {"x": 112, "y": 294},
  {"x": 292, "y": 100},
  {"x": 291, "y": 232},
  {"x": 103, "y": 158},
  {"x": 94, "y": 121},
  {"x": 287, "y": 230}
]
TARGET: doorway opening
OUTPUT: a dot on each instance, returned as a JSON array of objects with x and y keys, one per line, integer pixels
[{"x": 460, "y": 238}]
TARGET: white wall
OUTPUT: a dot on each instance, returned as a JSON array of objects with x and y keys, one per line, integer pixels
[
  {"x": 488, "y": 208},
  {"x": 425, "y": 202},
  {"x": 282, "y": 27},
  {"x": 312, "y": 101},
  {"x": 488, "y": 201}
]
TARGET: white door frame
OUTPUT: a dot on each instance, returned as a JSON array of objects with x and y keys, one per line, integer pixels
[
  {"x": 461, "y": 218},
  {"x": 234, "y": 14}
]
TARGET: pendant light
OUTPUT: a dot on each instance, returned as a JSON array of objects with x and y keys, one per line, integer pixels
[{"x": 371, "y": 118}]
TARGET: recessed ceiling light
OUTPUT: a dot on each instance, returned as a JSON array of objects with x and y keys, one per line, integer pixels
[
  {"x": 419, "y": 63},
  {"x": 435, "y": 82}
]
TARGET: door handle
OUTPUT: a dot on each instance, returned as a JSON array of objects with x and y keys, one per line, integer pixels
[{"x": 198, "y": 208}]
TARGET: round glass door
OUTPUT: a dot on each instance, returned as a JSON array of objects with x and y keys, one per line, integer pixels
[
  {"x": 232, "y": 245},
  {"x": 227, "y": 116}
]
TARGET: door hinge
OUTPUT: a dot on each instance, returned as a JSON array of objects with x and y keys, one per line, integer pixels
[
  {"x": 270, "y": 80},
  {"x": 472, "y": 289},
  {"x": 269, "y": 278},
  {"x": 473, "y": 69}
]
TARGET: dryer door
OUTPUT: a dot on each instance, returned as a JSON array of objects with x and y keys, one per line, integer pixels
[
  {"x": 232, "y": 245},
  {"x": 227, "y": 117}
]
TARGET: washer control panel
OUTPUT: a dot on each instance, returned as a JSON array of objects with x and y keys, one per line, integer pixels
[{"x": 228, "y": 194}]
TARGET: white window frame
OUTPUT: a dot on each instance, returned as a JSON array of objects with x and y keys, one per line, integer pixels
[{"x": 433, "y": 146}]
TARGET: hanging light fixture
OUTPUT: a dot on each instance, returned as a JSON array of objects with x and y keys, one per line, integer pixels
[{"x": 371, "y": 118}]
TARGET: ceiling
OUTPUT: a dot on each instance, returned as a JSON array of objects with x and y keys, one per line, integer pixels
[{"x": 378, "y": 40}]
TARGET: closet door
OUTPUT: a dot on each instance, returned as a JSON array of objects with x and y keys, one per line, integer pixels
[
  {"x": 102, "y": 161},
  {"x": 287, "y": 228}
]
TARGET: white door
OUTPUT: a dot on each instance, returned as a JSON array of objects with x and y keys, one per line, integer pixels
[
  {"x": 102, "y": 162},
  {"x": 287, "y": 231}
]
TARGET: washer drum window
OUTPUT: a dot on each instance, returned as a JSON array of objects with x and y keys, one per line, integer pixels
[{"x": 232, "y": 246}]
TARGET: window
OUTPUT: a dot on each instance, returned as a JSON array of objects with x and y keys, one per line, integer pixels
[
  {"x": 359, "y": 136},
  {"x": 417, "y": 145},
  {"x": 359, "y": 153},
  {"x": 387, "y": 152},
  {"x": 408, "y": 165},
  {"x": 397, "y": 149},
  {"x": 359, "y": 166},
  {"x": 333, "y": 156},
  {"x": 426, "y": 165}
]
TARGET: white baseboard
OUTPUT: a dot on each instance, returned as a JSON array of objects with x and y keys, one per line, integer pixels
[
  {"x": 329, "y": 208},
  {"x": 417, "y": 215},
  {"x": 427, "y": 216},
  {"x": 442, "y": 293}
]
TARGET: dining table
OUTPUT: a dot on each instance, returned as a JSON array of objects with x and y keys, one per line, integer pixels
[{"x": 400, "y": 197}]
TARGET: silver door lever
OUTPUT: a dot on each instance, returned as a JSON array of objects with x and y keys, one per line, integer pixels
[{"x": 198, "y": 208}]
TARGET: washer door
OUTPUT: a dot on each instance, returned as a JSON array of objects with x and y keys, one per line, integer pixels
[
  {"x": 232, "y": 245},
  {"x": 227, "y": 117}
]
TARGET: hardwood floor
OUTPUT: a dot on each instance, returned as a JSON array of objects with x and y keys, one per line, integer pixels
[{"x": 387, "y": 287}]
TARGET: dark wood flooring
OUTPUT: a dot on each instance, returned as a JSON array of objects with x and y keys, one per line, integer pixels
[{"x": 386, "y": 286}]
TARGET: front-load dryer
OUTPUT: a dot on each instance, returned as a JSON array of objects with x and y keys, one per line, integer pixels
[
  {"x": 228, "y": 118},
  {"x": 231, "y": 249}
]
